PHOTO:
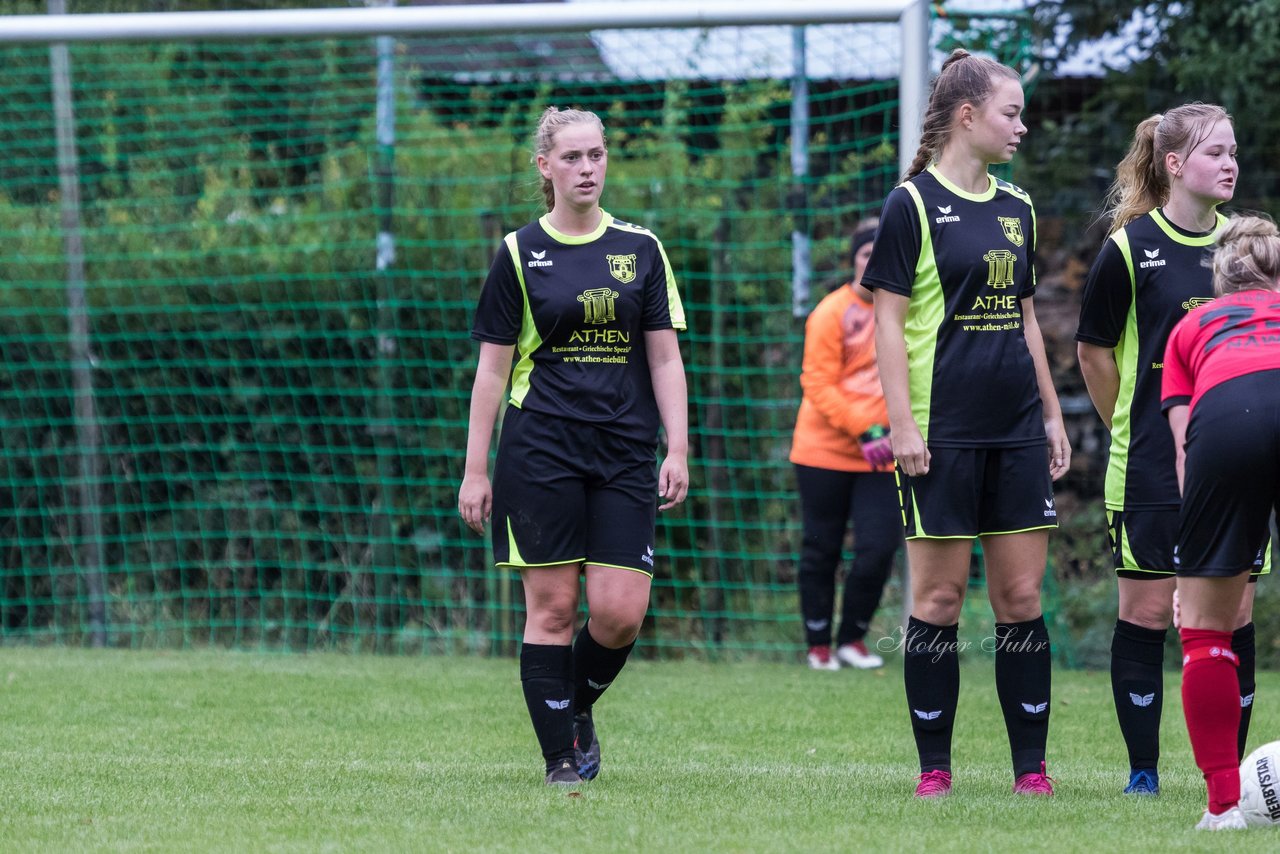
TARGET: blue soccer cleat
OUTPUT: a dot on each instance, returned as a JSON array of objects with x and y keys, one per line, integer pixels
[
  {"x": 1143, "y": 781},
  {"x": 586, "y": 747}
]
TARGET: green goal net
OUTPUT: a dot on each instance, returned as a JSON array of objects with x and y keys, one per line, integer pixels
[{"x": 244, "y": 422}]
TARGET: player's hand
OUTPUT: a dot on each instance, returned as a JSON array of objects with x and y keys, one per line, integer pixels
[
  {"x": 1059, "y": 447},
  {"x": 673, "y": 480},
  {"x": 910, "y": 450},
  {"x": 475, "y": 501},
  {"x": 877, "y": 447}
]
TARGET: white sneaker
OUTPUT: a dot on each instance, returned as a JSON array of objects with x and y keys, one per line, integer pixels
[
  {"x": 857, "y": 655},
  {"x": 820, "y": 658},
  {"x": 1232, "y": 819}
]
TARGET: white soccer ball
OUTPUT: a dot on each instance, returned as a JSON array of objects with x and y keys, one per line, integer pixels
[{"x": 1260, "y": 786}]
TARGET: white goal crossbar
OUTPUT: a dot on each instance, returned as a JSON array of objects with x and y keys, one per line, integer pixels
[{"x": 913, "y": 16}]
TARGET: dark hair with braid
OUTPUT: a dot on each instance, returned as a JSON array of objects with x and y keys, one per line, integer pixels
[{"x": 965, "y": 79}]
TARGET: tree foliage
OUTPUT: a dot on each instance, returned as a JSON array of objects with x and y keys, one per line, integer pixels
[{"x": 1172, "y": 53}]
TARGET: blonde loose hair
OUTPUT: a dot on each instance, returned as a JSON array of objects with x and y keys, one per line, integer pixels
[
  {"x": 1142, "y": 181},
  {"x": 964, "y": 79},
  {"x": 1248, "y": 255},
  {"x": 554, "y": 120}
]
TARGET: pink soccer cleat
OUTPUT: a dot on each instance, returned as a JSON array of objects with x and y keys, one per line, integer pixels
[
  {"x": 1033, "y": 783},
  {"x": 934, "y": 784}
]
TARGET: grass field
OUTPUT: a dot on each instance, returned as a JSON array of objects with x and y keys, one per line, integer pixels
[{"x": 146, "y": 751}]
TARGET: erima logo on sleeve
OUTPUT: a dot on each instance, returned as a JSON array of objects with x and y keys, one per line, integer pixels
[
  {"x": 946, "y": 215},
  {"x": 1153, "y": 259},
  {"x": 537, "y": 259}
]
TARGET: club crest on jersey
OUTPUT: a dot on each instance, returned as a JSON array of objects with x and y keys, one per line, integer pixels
[
  {"x": 1196, "y": 302},
  {"x": 597, "y": 304},
  {"x": 622, "y": 267},
  {"x": 1012, "y": 229}
]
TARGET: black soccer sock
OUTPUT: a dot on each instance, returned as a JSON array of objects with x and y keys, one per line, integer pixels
[
  {"x": 1024, "y": 677},
  {"x": 1137, "y": 684},
  {"x": 1242, "y": 645},
  {"x": 594, "y": 667},
  {"x": 931, "y": 670},
  {"x": 546, "y": 672}
]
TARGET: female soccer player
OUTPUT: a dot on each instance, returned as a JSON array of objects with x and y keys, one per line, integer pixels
[
  {"x": 843, "y": 462},
  {"x": 1221, "y": 392},
  {"x": 1152, "y": 270},
  {"x": 588, "y": 306},
  {"x": 972, "y": 407}
]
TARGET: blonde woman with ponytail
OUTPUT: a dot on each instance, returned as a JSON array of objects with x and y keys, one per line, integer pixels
[
  {"x": 586, "y": 307},
  {"x": 971, "y": 411},
  {"x": 1152, "y": 270},
  {"x": 1221, "y": 393}
]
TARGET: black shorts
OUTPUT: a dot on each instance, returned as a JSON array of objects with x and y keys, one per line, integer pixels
[
  {"x": 571, "y": 492},
  {"x": 1142, "y": 545},
  {"x": 1231, "y": 484},
  {"x": 978, "y": 492},
  {"x": 1141, "y": 542}
]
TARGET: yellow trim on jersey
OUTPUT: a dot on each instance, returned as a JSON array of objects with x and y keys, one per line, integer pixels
[
  {"x": 575, "y": 239},
  {"x": 674, "y": 306},
  {"x": 529, "y": 340},
  {"x": 985, "y": 196},
  {"x": 1126, "y": 356},
  {"x": 1176, "y": 236},
  {"x": 926, "y": 312}
]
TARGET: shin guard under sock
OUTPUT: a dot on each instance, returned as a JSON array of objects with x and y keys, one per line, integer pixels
[
  {"x": 1137, "y": 684},
  {"x": 594, "y": 667},
  {"x": 1024, "y": 666},
  {"x": 1242, "y": 644},
  {"x": 1211, "y": 702},
  {"x": 931, "y": 670},
  {"x": 546, "y": 673}
]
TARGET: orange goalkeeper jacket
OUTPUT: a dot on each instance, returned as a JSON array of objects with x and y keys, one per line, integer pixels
[{"x": 841, "y": 383}]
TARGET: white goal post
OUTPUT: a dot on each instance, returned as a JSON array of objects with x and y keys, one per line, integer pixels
[{"x": 912, "y": 15}]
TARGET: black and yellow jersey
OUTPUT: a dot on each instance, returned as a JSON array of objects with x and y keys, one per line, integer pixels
[
  {"x": 576, "y": 308},
  {"x": 966, "y": 261},
  {"x": 1149, "y": 274}
]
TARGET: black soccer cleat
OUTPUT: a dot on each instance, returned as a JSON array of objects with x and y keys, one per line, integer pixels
[
  {"x": 584, "y": 733},
  {"x": 563, "y": 774}
]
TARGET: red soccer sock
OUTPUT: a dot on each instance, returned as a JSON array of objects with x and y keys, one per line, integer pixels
[{"x": 1211, "y": 701}]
